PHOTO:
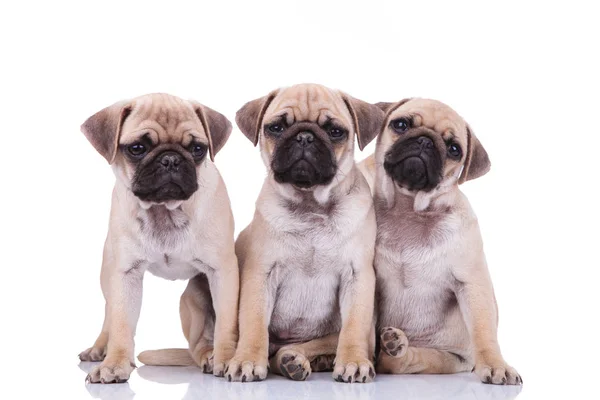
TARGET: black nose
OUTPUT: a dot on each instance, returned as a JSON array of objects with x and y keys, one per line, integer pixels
[
  {"x": 425, "y": 142},
  {"x": 170, "y": 160},
  {"x": 305, "y": 138}
]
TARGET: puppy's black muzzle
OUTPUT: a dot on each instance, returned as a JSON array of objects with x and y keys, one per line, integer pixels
[
  {"x": 303, "y": 158},
  {"x": 415, "y": 163},
  {"x": 169, "y": 175}
]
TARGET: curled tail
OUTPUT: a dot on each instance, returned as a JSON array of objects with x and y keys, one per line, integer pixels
[{"x": 167, "y": 357}]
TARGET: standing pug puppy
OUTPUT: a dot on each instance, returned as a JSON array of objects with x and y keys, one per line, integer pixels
[
  {"x": 306, "y": 259},
  {"x": 170, "y": 215},
  {"x": 436, "y": 302}
]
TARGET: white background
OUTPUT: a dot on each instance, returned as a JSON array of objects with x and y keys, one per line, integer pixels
[{"x": 525, "y": 76}]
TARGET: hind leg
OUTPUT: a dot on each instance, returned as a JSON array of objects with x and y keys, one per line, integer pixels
[
  {"x": 397, "y": 357},
  {"x": 198, "y": 321},
  {"x": 295, "y": 361}
]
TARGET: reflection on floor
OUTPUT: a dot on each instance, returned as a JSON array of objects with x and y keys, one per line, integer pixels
[{"x": 148, "y": 380}]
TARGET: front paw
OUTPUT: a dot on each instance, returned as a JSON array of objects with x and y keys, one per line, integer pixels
[
  {"x": 247, "y": 367},
  {"x": 394, "y": 342},
  {"x": 93, "y": 354},
  {"x": 353, "y": 370},
  {"x": 496, "y": 371},
  {"x": 111, "y": 371},
  {"x": 221, "y": 358}
]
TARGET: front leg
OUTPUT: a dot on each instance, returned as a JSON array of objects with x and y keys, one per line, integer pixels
[
  {"x": 354, "y": 358},
  {"x": 478, "y": 305},
  {"x": 256, "y": 302},
  {"x": 224, "y": 283},
  {"x": 124, "y": 299}
]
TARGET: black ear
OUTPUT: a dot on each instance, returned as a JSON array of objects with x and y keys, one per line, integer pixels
[
  {"x": 367, "y": 118},
  {"x": 103, "y": 129},
  {"x": 216, "y": 126},
  {"x": 477, "y": 162},
  {"x": 249, "y": 117}
]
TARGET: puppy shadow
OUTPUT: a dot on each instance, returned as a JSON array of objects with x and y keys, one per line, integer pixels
[
  {"x": 455, "y": 387},
  {"x": 208, "y": 386},
  {"x": 113, "y": 391}
]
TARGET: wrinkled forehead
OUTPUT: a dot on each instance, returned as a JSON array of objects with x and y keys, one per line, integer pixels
[
  {"x": 165, "y": 118},
  {"x": 309, "y": 103},
  {"x": 432, "y": 114}
]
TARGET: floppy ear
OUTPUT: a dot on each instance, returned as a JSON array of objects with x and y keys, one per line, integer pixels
[
  {"x": 388, "y": 107},
  {"x": 249, "y": 117},
  {"x": 477, "y": 162},
  {"x": 367, "y": 118},
  {"x": 103, "y": 129},
  {"x": 216, "y": 126}
]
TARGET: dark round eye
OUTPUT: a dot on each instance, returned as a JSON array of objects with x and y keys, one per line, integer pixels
[
  {"x": 137, "y": 149},
  {"x": 336, "y": 133},
  {"x": 454, "y": 151},
  {"x": 400, "y": 125},
  {"x": 197, "y": 150},
  {"x": 276, "y": 128}
]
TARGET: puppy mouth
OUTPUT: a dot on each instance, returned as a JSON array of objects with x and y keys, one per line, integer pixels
[
  {"x": 301, "y": 174},
  {"x": 414, "y": 167},
  {"x": 303, "y": 164},
  {"x": 162, "y": 181},
  {"x": 167, "y": 192}
]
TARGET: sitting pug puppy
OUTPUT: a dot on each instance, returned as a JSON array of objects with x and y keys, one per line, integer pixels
[
  {"x": 306, "y": 259},
  {"x": 171, "y": 216},
  {"x": 436, "y": 306}
]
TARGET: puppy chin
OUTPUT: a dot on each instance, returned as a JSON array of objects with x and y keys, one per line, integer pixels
[{"x": 170, "y": 204}]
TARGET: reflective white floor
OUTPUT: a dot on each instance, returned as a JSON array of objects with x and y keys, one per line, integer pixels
[{"x": 188, "y": 383}]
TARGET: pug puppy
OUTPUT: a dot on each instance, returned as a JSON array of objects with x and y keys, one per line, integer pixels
[
  {"x": 436, "y": 307},
  {"x": 170, "y": 215},
  {"x": 306, "y": 259}
]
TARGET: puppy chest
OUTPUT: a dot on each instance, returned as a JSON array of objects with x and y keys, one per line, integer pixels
[
  {"x": 305, "y": 307},
  {"x": 172, "y": 267}
]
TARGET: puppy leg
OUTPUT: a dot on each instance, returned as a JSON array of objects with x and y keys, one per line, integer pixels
[
  {"x": 224, "y": 286},
  {"x": 256, "y": 305},
  {"x": 98, "y": 351},
  {"x": 197, "y": 322},
  {"x": 397, "y": 357},
  {"x": 357, "y": 337},
  {"x": 296, "y": 361},
  {"x": 124, "y": 302},
  {"x": 478, "y": 306}
]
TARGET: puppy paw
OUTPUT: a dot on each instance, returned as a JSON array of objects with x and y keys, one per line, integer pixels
[
  {"x": 246, "y": 368},
  {"x": 221, "y": 359},
  {"x": 93, "y": 354},
  {"x": 117, "y": 371},
  {"x": 204, "y": 359},
  {"x": 293, "y": 365},
  {"x": 496, "y": 371},
  {"x": 323, "y": 363},
  {"x": 359, "y": 370},
  {"x": 394, "y": 342}
]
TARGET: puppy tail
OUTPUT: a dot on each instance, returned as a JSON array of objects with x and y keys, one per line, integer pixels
[{"x": 167, "y": 357}]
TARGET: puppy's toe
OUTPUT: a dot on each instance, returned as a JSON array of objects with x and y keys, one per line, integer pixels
[
  {"x": 93, "y": 354},
  {"x": 111, "y": 372},
  {"x": 360, "y": 371},
  {"x": 394, "y": 342},
  {"x": 207, "y": 364},
  {"x": 246, "y": 369},
  {"x": 322, "y": 363},
  {"x": 498, "y": 373},
  {"x": 293, "y": 365}
]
